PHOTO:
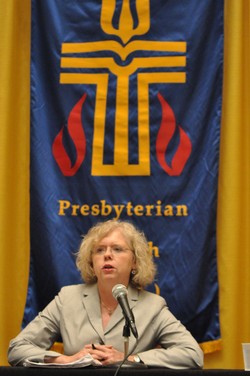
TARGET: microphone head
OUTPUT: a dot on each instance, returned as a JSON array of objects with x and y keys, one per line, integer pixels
[{"x": 119, "y": 290}]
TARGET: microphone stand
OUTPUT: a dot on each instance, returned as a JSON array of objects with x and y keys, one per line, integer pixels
[
  {"x": 126, "y": 335},
  {"x": 125, "y": 363}
]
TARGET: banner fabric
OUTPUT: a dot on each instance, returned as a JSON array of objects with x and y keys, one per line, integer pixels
[{"x": 125, "y": 123}]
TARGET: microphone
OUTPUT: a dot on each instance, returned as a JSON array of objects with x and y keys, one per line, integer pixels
[{"x": 120, "y": 293}]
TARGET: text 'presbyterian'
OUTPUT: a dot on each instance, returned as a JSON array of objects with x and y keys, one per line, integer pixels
[{"x": 105, "y": 209}]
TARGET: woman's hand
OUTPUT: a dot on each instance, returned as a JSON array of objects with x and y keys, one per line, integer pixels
[
  {"x": 106, "y": 354},
  {"x": 64, "y": 359}
]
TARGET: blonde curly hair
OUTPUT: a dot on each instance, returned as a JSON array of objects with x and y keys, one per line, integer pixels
[{"x": 145, "y": 267}]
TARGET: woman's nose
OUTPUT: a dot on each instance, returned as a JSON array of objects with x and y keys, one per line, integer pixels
[{"x": 108, "y": 252}]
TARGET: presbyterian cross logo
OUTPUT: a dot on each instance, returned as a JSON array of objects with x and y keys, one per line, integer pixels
[{"x": 172, "y": 55}]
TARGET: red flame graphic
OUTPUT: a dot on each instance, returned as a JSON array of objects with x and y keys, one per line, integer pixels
[
  {"x": 165, "y": 134},
  {"x": 77, "y": 134}
]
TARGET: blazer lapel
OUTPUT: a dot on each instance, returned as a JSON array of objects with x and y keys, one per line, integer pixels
[{"x": 91, "y": 303}]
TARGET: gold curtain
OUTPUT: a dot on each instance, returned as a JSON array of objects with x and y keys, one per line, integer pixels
[
  {"x": 234, "y": 190},
  {"x": 234, "y": 187},
  {"x": 14, "y": 166}
]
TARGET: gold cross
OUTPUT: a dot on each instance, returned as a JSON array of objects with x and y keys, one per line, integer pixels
[{"x": 125, "y": 32}]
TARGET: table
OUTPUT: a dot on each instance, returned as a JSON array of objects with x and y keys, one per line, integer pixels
[{"x": 109, "y": 371}]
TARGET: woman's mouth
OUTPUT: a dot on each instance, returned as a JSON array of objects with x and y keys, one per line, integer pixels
[{"x": 107, "y": 267}]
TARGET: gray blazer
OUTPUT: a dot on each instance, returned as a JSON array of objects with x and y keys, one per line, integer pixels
[{"x": 75, "y": 315}]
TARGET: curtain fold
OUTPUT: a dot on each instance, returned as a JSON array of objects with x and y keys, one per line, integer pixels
[
  {"x": 234, "y": 181},
  {"x": 234, "y": 190},
  {"x": 14, "y": 166}
]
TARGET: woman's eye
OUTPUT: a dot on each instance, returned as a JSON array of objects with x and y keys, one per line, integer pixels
[
  {"x": 99, "y": 250},
  {"x": 117, "y": 249}
]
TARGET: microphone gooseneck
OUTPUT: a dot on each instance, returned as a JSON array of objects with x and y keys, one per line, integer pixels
[{"x": 120, "y": 293}]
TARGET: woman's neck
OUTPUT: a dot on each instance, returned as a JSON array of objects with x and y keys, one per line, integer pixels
[
  {"x": 106, "y": 296},
  {"x": 108, "y": 303}
]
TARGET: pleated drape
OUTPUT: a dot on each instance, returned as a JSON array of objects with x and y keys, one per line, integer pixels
[
  {"x": 234, "y": 190},
  {"x": 14, "y": 166}
]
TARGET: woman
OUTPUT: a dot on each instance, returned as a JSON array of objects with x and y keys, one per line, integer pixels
[{"x": 89, "y": 319}]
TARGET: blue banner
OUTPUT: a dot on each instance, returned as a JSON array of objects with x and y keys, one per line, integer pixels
[{"x": 125, "y": 123}]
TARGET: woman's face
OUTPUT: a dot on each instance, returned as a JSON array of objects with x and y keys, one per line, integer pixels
[{"x": 113, "y": 259}]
